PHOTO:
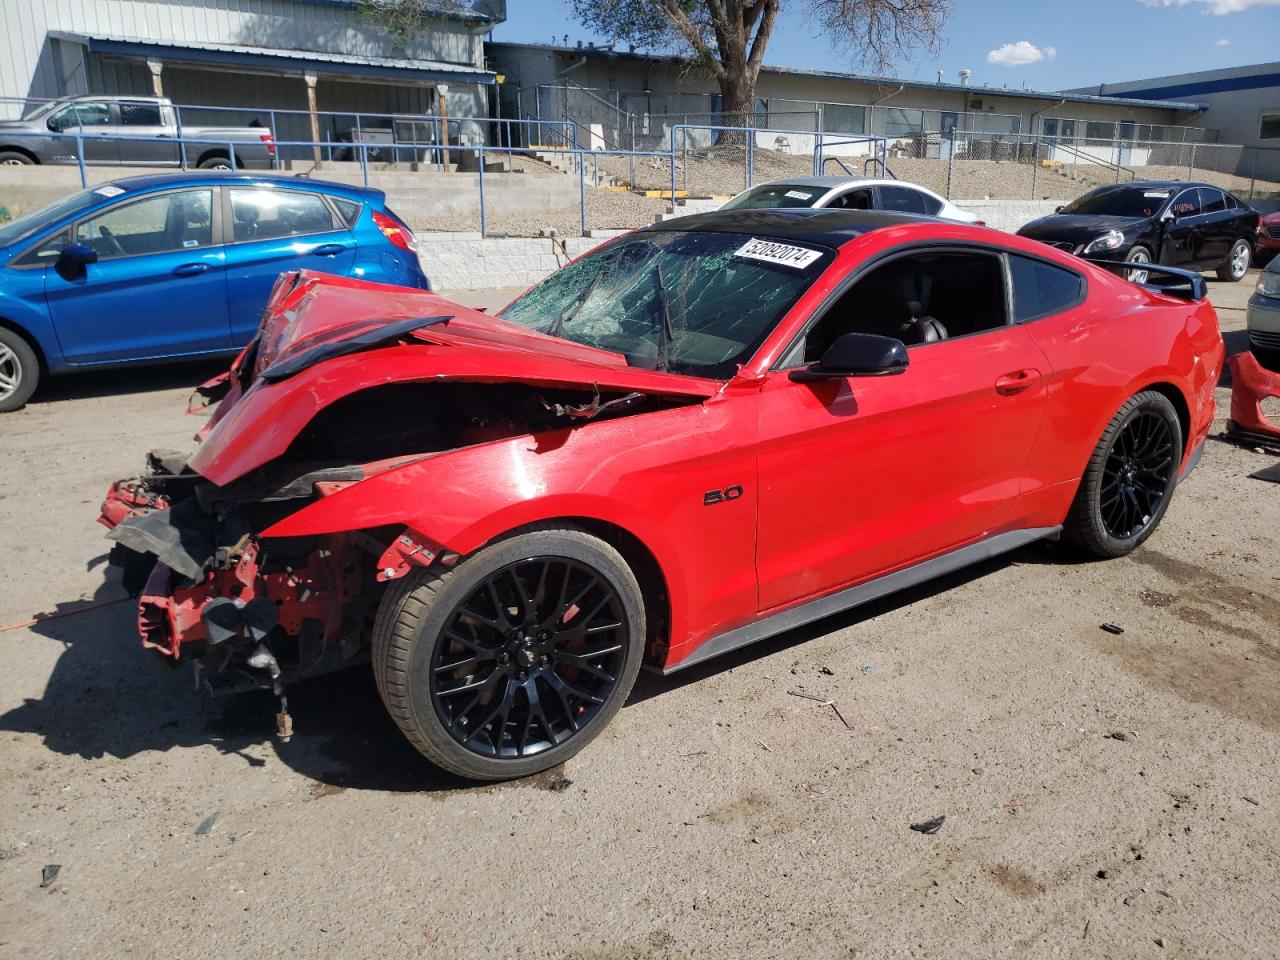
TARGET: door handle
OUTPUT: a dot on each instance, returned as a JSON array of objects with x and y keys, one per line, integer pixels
[
  {"x": 328, "y": 249},
  {"x": 1016, "y": 382},
  {"x": 190, "y": 269}
]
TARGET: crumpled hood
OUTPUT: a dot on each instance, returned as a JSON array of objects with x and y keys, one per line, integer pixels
[
  {"x": 260, "y": 418},
  {"x": 307, "y": 309}
]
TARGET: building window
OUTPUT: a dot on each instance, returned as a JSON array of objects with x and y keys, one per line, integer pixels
[{"x": 1269, "y": 128}]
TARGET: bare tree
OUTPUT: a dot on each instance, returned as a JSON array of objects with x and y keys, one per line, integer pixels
[
  {"x": 729, "y": 37},
  {"x": 404, "y": 20}
]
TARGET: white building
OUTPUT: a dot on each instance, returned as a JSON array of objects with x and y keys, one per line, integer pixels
[
  {"x": 1241, "y": 103},
  {"x": 309, "y": 56}
]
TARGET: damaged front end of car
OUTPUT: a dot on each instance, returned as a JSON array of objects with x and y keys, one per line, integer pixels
[{"x": 314, "y": 407}]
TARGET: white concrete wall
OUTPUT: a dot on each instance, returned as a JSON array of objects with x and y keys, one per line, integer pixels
[{"x": 465, "y": 261}]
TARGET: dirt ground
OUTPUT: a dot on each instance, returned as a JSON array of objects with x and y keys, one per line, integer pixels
[{"x": 1105, "y": 795}]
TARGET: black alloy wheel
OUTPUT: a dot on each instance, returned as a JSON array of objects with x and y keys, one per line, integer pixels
[
  {"x": 529, "y": 657},
  {"x": 512, "y": 661},
  {"x": 1137, "y": 475},
  {"x": 1129, "y": 480}
]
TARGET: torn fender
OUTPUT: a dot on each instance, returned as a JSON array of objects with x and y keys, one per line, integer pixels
[
  {"x": 614, "y": 471},
  {"x": 269, "y": 416}
]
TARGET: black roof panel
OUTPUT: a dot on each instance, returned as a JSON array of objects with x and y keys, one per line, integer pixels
[{"x": 826, "y": 228}]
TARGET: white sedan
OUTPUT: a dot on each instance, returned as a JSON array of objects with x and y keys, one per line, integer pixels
[{"x": 849, "y": 193}]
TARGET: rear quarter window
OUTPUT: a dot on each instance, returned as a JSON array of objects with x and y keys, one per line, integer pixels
[
  {"x": 348, "y": 210},
  {"x": 1041, "y": 289}
]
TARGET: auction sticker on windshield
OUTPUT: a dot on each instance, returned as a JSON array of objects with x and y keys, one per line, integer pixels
[{"x": 781, "y": 254}]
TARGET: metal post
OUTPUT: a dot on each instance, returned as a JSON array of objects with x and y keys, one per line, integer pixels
[
  {"x": 182, "y": 144},
  {"x": 1253, "y": 170},
  {"x": 275, "y": 138},
  {"x": 231, "y": 152},
  {"x": 1191, "y": 162},
  {"x": 951, "y": 161},
  {"x": 364, "y": 161},
  {"x": 673, "y": 162},
  {"x": 582, "y": 198},
  {"x": 751, "y": 144},
  {"x": 1035, "y": 163},
  {"x": 483, "y": 224},
  {"x": 84, "y": 179}
]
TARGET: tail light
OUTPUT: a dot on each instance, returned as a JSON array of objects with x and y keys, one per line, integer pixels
[
  {"x": 395, "y": 231},
  {"x": 270, "y": 142}
]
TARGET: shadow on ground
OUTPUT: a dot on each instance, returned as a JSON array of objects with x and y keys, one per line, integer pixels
[
  {"x": 128, "y": 380},
  {"x": 107, "y": 697}
]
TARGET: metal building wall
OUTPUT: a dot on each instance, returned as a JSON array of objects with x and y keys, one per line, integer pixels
[{"x": 31, "y": 66}]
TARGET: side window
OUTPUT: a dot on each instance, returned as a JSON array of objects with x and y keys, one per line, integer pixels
[
  {"x": 349, "y": 210},
  {"x": 919, "y": 298},
  {"x": 140, "y": 114},
  {"x": 1212, "y": 201},
  {"x": 46, "y": 251},
  {"x": 1040, "y": 288},
  {"x": 1231, "y": 201},
  {"x": 1187, "y": 203},
  {"x": 931, "y": 204},
  {"x": 267, "y": 214},
  {"x": 852, "y": 200},
  {"x": 172, "y": 221},
  {"x": 80, "y": 114},
  {"x": 902, "y": 199}
]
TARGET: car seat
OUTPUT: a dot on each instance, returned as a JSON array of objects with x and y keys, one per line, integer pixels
[{"x": 246, "y": 217}]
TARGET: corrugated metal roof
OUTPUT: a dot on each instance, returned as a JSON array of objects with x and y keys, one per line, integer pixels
[
  {"x": 603, "y": 53},
  {"x": 276, "y": 58}
]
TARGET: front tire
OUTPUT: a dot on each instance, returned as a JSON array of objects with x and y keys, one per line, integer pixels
[
  {"x": 514, "y": 660},
  {"x": 19, "y": 371},
  {"x": 1139, "y": 255},
  {"x": 1129, "y": 481},
  {"x": 14, "y": 158},
  {"x": 1237, "y": 263}
]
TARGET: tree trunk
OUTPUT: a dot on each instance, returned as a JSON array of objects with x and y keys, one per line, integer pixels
[{"x": 738, "y": 107}]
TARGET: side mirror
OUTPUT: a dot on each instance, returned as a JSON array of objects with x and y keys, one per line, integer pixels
[
  {"x": 72, "y": 260},
  {"x": 1059, "y": 208},
  {"x": 1168, "y": 215},
  {"x": 78, "y": 254},
  {"x": 856, "y": 355},
  {"x": 53, "y": 124}
]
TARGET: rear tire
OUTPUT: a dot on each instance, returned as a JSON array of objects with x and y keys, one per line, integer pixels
[
  {"x": 1129, "y": 480},
  {"x": 14, "y": 158},
  {"x": 1237, "y": 262},
  {"x": 216, "y": 162},
  {"x": 490, "y": 677},
  {"x": 19, "y": 371}
]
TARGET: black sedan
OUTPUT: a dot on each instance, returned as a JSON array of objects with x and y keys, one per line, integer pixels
[{"x": 1191, "y": 225}]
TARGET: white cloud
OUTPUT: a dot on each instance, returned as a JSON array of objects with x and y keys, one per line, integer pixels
[
  {"x": 1021, "y": 53},
  {"x": 1224, "y": 42},
  {"x": 1218, "y": 8}
]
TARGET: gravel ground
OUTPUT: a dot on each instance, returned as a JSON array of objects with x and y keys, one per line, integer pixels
[{"x": 1105, "y": 796}]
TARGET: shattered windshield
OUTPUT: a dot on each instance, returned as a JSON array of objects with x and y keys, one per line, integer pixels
[{"x": 695, "y": 303}]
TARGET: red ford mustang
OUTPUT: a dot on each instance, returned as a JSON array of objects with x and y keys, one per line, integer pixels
[{"x": 698, "y": 435}]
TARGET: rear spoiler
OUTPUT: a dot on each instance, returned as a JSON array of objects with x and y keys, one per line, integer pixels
[{"x": 1186, "y": 284}]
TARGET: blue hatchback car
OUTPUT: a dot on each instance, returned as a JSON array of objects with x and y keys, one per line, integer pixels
[{"x": 176, "y": 266}]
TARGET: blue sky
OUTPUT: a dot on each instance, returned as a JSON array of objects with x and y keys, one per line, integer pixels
[{"x": 1047, "y": 45}]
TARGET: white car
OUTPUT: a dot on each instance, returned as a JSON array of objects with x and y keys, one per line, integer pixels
[{"x": 849, "y": 193}]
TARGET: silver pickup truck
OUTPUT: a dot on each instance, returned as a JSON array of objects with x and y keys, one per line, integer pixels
[{"x": 46, "y": 135}]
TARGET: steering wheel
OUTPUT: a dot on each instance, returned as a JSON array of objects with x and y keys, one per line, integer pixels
[{"x": 112, "y": 244}]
